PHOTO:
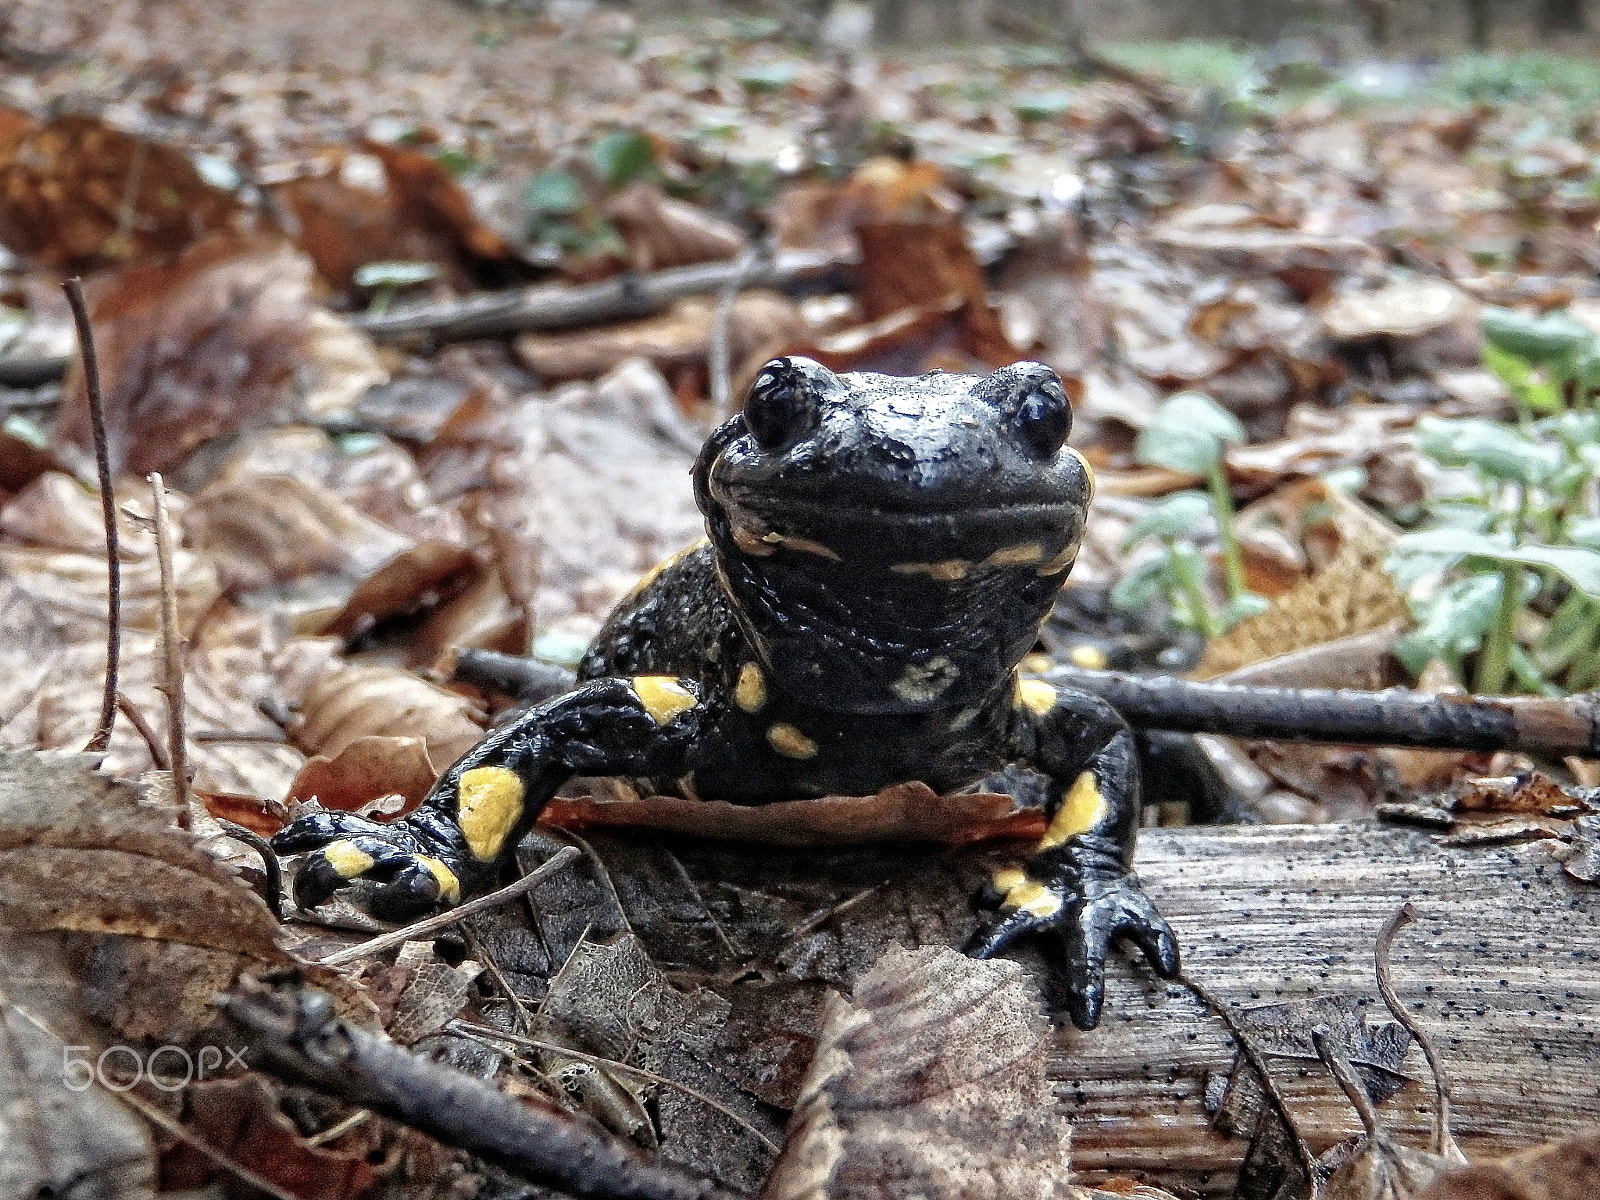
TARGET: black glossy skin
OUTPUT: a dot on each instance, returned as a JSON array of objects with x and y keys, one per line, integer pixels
[{"x": 881, "y": 554}]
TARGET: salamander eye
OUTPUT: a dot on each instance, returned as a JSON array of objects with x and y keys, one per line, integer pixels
[
  {"x": 1043, "y": 418},
  {"x": 782, "y": 405}
]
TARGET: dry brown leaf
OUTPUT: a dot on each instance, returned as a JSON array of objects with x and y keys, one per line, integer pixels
[
  {"x": 435, "y": 993},
  {"x": 346, "y": 702},
  {"x": 1352, "y": 594},
  {"x": 900, "y": 812},
  {"x": 1560, "y": 1170},
  {"x": 1405, "y": 308},
  {"x": 244, "y": 1119},
  {"x": 57, "y": 1139},
  {"x": 290, "y": 542},
  {"x": 77, "y": 193},
  {"x": 663, "y": 232},
  {"x": 194, "y": 349},
  {"x": 929, "y": 1082},
  {"x": 365, "y": 770},
  {"x": 430, "y": 199},
  {"x": 918, "y": 265}
]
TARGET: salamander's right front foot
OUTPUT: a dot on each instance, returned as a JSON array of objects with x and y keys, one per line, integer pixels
[{"x": 411, "y": 863}]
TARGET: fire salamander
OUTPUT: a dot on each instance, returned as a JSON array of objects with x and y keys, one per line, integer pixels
[{"x": 881, "y": 554}]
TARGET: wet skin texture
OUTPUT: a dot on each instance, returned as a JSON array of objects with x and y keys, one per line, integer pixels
[{"x": 881, "y": 554}]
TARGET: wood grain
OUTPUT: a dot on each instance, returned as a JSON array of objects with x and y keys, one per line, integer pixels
[{"x": 1502, "y": 969}]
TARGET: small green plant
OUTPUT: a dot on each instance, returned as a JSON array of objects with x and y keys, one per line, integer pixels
[
  {"x": 1509, "y": 570},
  {"x": 1188, "y": 434}
]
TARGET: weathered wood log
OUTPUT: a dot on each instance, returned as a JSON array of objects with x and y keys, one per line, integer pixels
[{"x": 1502, "y": 969}]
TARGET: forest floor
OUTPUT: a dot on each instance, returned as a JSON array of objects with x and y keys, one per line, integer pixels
[{"x": 421, "y": 314}]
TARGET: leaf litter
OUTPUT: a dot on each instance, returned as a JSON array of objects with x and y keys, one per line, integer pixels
[{"x": 356, "y": 508}]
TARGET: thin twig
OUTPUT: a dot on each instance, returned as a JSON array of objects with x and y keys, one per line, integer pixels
[
  {"x": 1443, "y": 1142},
  {"x": 1257, "y": 1060},
  {"x": 480, "y": 951},
  {"x": 108, "y": 511},
  {"x": 721, "y": 325},
  {"x": 431, "y": 925},
  {"x": 152, "y": 739},
  {"x": 172, "y": 652},
  {"x": 337, "y": 1130},
  {"x": 1349, "y": 1083},
  {"x": 484, "y": 1033}
]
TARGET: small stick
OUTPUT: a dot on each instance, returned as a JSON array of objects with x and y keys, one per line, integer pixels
[
  {"x": 1256, "y": 1059},
  {"x": 1444, "y": 1143},
  {"x": 152, "y": 740},
  {"x": 172, "y": 685},
  {"x": 295, "y": 1035},
  {"x": 1397, "y": 717},
  {"x": 1349, "y": 1083},
  {"x": 443, "y": 920},
  {"x": 108, "y": 511}
]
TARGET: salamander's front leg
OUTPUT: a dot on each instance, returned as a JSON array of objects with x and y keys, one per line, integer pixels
[
  {"x": 480, "y": 808},
  {"x": 1079, "y": 886}
]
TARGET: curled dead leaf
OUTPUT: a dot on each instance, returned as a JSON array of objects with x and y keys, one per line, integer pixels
[
  {"x": 365, "y": 770},
  {"x": 343, "y": 702},
  {"x": 912, "y": 1079},
  {"x": 663, "y": 232}
]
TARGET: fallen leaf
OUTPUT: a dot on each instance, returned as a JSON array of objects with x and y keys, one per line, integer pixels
[
  {"x": 900, "y": 812},
  {"x": 1559, "y": 1170},
  {"x": 1401, "y": 309},
  {"x": 193, "y": 349},
  {"x": 77, "y": 193},
  {"x": 663, "y": 232},
  {"x": 365, "y": 769},
  {"x": 344, "y": 702},
  {"x": 914, "y": 1078}
]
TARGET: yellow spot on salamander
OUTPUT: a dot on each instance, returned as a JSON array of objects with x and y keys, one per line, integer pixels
[
  {"x": 1088, "y": 471},
  {"x": 1060, "y": 562},
  {"x": 489, "y": 805},
  {"x": 654, "y": 572},
  {"x": 750, "y": 542},
  {"x": 1003, "y": 881},
  {"x": 1033, "y": 898},
  {"x": 805, "y": 545},
  {"x": 1083, "y": 809},
  {"x": 790, "y": 742},
  {"x": 663, "y": 696},
  {"x": 449, "y": 885},
  {"x": 1015, "y": 556},
  {"x": 946, "y": 571},
  {"x": 750, "y": 693},
  {"x": 921, "y": 683},
  {"x": 1035, "y": 695},
  {"x": 1090, "y": 658},
  {"x": 348, "y": 859}
]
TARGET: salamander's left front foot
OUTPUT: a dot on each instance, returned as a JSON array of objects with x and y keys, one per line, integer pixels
[{"x": 1083, "y": 900}]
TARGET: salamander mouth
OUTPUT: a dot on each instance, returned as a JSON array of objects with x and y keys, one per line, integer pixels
[{"x": 936, "y": 544}]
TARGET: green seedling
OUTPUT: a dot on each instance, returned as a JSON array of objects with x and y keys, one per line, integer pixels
[{"x": 1188, "y": 434}]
